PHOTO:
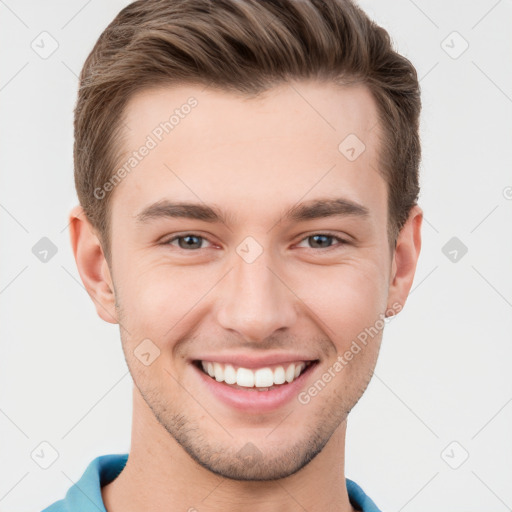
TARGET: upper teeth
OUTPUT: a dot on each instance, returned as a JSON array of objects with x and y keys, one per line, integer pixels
[{"x": 260, "y": 378}]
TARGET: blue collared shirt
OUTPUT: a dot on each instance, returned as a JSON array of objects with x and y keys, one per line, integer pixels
[{"x": 85, "y": 495}]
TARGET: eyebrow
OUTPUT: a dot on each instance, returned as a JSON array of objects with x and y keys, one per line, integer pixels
[{"x": 310, "y": 210}]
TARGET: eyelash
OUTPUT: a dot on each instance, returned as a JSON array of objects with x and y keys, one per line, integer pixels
[{"x": 341, "y": 241}]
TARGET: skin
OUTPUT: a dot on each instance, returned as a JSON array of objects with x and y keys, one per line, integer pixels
[{"x": 254, "y": 159}]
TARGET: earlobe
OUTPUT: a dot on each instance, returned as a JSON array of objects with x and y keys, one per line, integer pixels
[
  {"x": 92, "y": 265},
  {"x": 405, "y": 259}
]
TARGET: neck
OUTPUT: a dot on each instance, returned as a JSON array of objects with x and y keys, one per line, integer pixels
[{"x": 159, "y": 474}]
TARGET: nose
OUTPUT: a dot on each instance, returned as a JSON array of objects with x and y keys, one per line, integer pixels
[{"x": 255, "y": 301}]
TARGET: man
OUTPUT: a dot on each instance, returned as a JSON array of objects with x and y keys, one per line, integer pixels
[{"x": 247, "y": 173}]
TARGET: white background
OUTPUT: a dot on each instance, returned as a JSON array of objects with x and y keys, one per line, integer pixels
[{"x": 444, "y": 368}]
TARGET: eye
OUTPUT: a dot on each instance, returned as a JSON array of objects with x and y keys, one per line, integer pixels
[
  {"x": 188, "y": 241},
  {"x": 191, "y": 241},
  {"x": 323, "y": 240}
]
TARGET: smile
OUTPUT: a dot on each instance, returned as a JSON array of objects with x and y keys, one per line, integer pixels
[{"x": 261, "y": 379}]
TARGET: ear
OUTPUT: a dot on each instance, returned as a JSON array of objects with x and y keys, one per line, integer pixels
[
  {"x": 92, "y": 265},
  {"x": 405, "y": 258}
]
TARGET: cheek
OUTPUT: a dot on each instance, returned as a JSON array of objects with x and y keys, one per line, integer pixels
[
  {"x": 158, "y": 298},
  {"x": 346, "y": 299},
  {"x": 156, "y": 302}
]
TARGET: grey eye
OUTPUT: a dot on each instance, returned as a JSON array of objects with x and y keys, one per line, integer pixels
[
  {"x": 322, "y": 241},
  {"x": 188, "y": 242}
]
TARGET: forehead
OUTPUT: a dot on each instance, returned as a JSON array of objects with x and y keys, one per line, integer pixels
[{"x": 300, "y": 139}]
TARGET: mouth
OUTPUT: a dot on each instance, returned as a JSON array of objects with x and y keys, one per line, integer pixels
[{"x": 265, "y": 379}]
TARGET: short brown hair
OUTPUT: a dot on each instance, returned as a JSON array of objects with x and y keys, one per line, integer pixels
[{"x": 242, "y": 46}]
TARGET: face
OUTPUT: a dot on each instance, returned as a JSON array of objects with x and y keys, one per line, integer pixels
[{"x": 249, "y": 254}]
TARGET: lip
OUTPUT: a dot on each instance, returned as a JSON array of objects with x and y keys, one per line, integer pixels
[
  {"x": 252, "y": 362},
  {"x": 252, "y": 401}
]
